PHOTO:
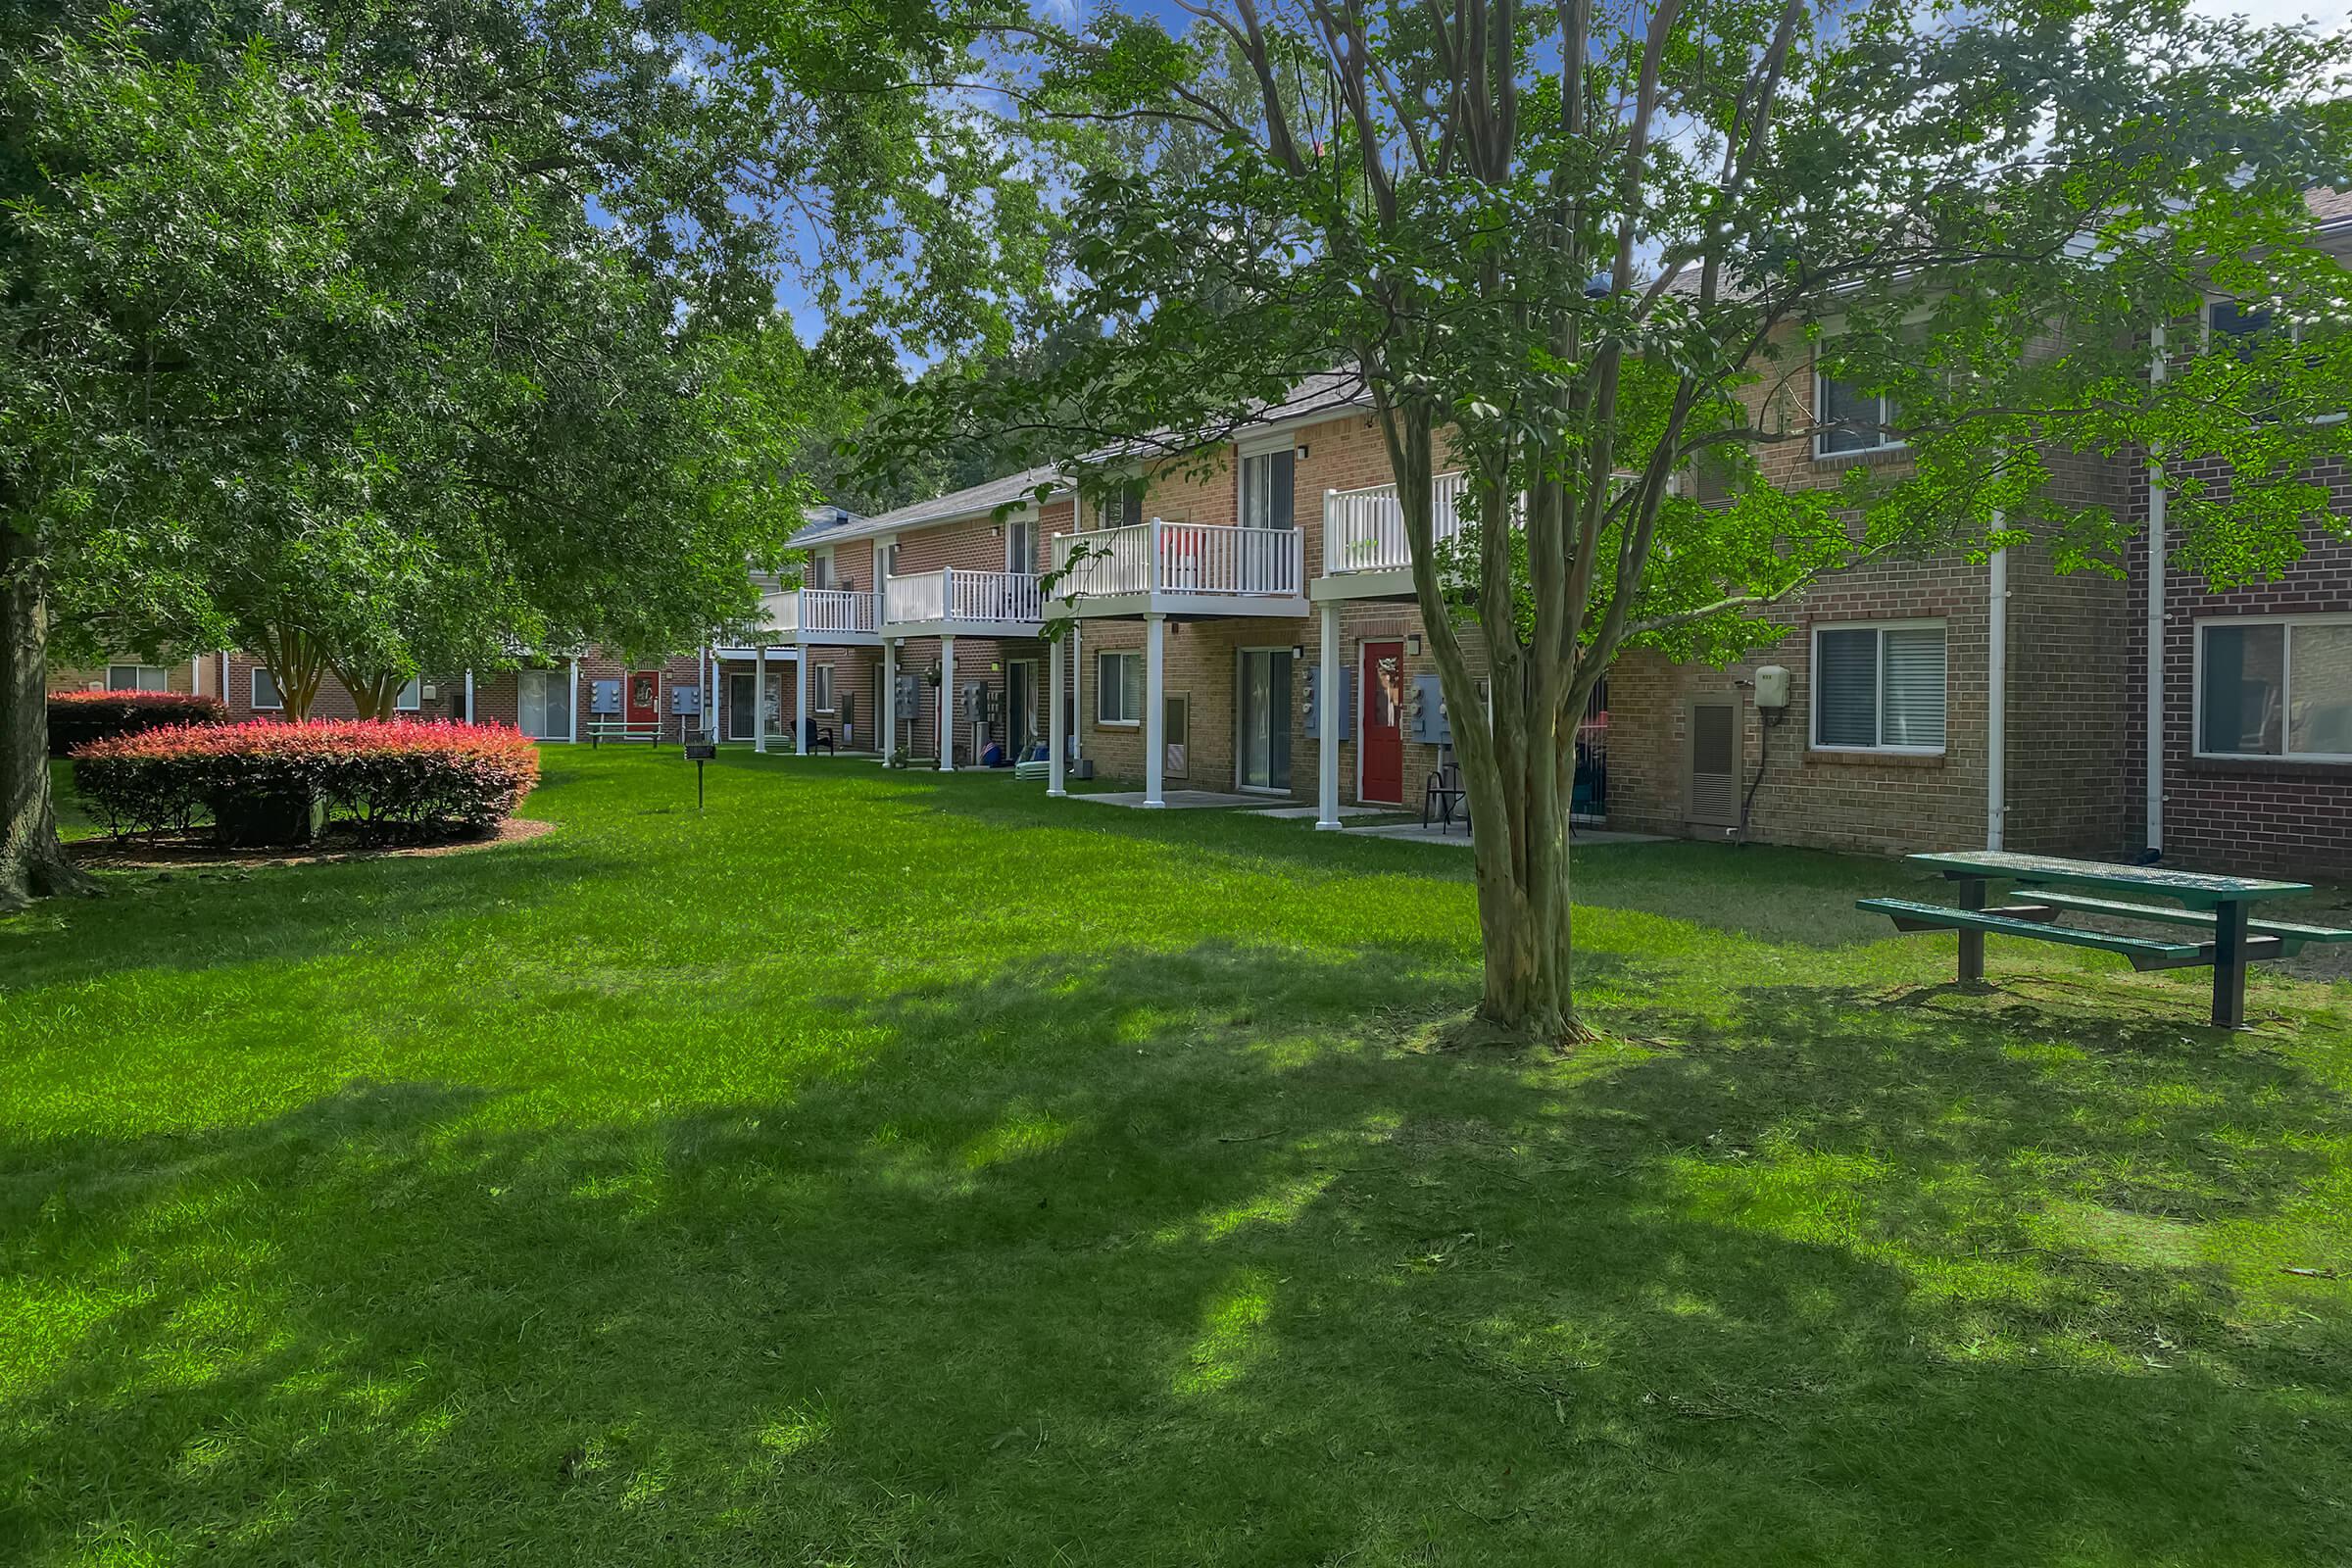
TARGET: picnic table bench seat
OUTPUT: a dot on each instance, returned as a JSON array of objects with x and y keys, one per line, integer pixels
[
  {"x": 1910, "y": 914},
  {"x": 2293, "y": 935}
]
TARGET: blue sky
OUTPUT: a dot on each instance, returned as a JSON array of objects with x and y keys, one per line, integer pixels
[{"x": 809, "y": 321}]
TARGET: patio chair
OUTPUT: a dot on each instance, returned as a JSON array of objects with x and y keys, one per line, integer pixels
[{"x": 1444, "y": 795}]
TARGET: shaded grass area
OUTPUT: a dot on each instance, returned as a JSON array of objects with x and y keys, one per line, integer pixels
[{"x": 878, "y": 1168}]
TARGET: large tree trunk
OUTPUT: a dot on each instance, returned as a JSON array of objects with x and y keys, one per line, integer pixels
[{"x": 33, "y": 861}]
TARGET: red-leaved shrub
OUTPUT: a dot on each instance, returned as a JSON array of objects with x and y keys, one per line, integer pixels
[
  {"x": 77, "y": 718},
  {"x": 392, "y": 779}
]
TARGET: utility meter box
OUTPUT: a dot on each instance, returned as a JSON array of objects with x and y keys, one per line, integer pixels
[{"x": 1771, "y": 686}]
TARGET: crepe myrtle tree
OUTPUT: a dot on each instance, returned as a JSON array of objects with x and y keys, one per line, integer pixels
[{"x": 1593, "y": 258}]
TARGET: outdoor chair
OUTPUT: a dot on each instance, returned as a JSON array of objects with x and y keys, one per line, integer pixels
[{"x": 1444, "y": 795}]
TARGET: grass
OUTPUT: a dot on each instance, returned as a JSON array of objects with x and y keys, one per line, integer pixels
[{"x": 885, "y": 1169}]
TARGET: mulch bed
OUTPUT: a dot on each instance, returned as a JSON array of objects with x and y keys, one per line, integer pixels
[{"x": 150, "y": 852}]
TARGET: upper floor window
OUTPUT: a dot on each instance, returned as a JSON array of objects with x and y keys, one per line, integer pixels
[
  {"x": 1021, "y": 544},
  {"x": 886, "y": 559},
  {"x": 1850, "y": 421},
  {"x": 1123, "y": 508},
  {"x": 820, "y": 569},
  {"x": 1269, "y": 488},
  {"x": 137, "y": 678},
  {"x": 2276, "y": 687},
  {"x": 1879, "y": 687}
]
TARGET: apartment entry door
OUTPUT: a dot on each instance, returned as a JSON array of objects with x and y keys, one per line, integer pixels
[
  {"x": 1020, "y": 707},
  {"x": 645, "y": 697},
  {"x": 741, "y": 689},
  {"x": 1383, "y": 724},
  {"x": 1265, "y": 719}
]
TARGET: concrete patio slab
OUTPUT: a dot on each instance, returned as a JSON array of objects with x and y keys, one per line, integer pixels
[
  {"x": 1309, "y": 813},
  {"x": 1176, "y": 800},
  {"x": 1440, "y": 833}
]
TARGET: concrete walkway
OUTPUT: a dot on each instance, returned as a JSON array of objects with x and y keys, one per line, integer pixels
[
  {"x": 1440, "y": 833},
  {"x": 1308, "y": 813},
  {"x": 1176, "y": 800}
]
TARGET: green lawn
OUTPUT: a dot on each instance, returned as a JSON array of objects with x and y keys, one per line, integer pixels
[{"x": 884, "y": 1170}]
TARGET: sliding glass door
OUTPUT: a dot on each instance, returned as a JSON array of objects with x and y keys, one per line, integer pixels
[{"x": 1265, "y": 717}]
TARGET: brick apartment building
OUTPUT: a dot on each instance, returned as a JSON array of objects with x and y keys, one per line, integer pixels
[{"x": 1218, "y": 606}]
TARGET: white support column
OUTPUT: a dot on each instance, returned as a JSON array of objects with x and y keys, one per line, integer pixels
[
  {"x": 1156, "y": 706},
  {"x": 1057, "y": 727},
  {"x": 1997, "y": 699},
  {"x": 1078, "y": 687},
  {"x": 946, "y": 705},
  {"x": 890, "y": 700},
  {"x": 710, "y": 712},
  {"x": 760, "y": 699},
  {"x": 2158, "y": 548},
  {"x": 1329, "y": 696},
  {"x": 572, "y": 714},
  {"x": 800, "y": 703},
  {"x": 469, "y": 715}
]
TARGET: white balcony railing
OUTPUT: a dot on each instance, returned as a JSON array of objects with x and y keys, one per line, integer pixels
[
  {"x": 1183, "y": 558},
  {"x": 1363, "y": 530},
  {"x": 822, "y": 609},
  {"x": 950, "y": 594}
]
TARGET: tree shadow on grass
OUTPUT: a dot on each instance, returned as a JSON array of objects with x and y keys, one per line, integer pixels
[
  {"x": 1799, "y": 897},
  {"x": 191, "y": 920},
  {"x": 1204, "y": 1258}
]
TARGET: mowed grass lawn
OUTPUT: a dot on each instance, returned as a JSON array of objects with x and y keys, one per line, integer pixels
[{"x": 879, "y": 1170}]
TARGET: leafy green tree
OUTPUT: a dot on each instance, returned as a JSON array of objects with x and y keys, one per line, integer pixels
[
  {"x": 1588, "y": 258},
  {"x": 385, "y": 338}
]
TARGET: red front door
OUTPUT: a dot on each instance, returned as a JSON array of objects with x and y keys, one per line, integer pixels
[
  {"x": 1383, "y": 722},
  {"x": 645, "y": 697}
]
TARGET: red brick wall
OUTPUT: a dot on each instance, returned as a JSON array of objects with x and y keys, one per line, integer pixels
[{"x": 2275, "y": 817}]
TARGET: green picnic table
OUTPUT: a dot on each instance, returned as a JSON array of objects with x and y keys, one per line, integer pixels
[{"x": 2220, "y": 908}]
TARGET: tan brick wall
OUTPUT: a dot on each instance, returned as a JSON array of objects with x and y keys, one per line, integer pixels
[{"x": 179, "y": 675}]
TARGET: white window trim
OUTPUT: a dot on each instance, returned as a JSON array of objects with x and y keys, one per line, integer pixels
[
  {"x": 2286, "y": 686},
  {"x": 252, "y": 690},
  {"x": 1103, "y": 686},
  {"x": 1813, "y": 686},
  {"x": 1014, "y": 525},
  {"x": 821, "y": 688},
  {"x": 416, "y": 707},
  {"x": 1821, "y": 452},
  {"x": 137, "y": 684},
  {"x": 821, "y": 566},
  {"x": 1244, "y": 453}
]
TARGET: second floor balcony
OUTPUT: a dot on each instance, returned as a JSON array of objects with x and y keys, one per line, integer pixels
[
  {"x": 952, "y": 601},
  {"x": 1365, "y": 549},
  {"x": 1182, "y": 568},
  {"x": 824, "y": 614}
]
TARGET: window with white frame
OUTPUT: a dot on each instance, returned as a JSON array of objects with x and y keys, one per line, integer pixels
[
  {"x": 137, "y": 678},
  {"x": 1269, "y": 488},
  {"x": 265, "y": 691},
  {"x": 1850, "y": 421},
  {"x": 820, "y": 569},
  {"x": 1118, "y": 688},
  {"x": 1879, "y": 687},
  {"x": 412, "y": 696},
  {"x": 2276, "y": 687},
  {"x": 1122, "y": 508},
  {"x": 887, "y": 561},
  {"x": 821, "y": 688},
  {"x": 1021, "y": 544}
]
